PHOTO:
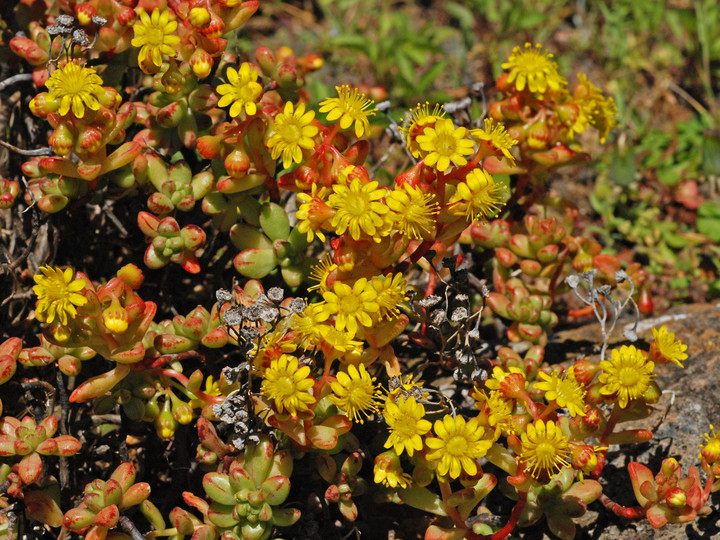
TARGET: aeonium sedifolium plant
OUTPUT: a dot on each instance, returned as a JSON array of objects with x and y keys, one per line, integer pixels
[{"x": 371, "y": 372}]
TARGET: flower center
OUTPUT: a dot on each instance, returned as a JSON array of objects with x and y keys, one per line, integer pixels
[
  {"x": 405, "y": 425},
  {"x": 56, "y": 290},
  {"x": 291, "y": 131},
  {"x": 154, "y": 35},
  {"x": 628, "y": 376},
  {"x": 445, "y": 144},
  {"x": 457, "y": 446},
  {"x": 350, "y": 304},
  {"x": 356, "y": 204},
  {"x": 285, "y": 386},
  {"x": 545, "y": 453}
]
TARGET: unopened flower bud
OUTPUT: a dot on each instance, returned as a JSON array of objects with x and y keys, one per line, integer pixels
[
  {"x": 538, "y": 136},
  {"x": 669, "y": 466},
  {"x": 173, "y": 80},
  {"x": 201, "y": 63},
  {"x": 61, "y": 140},
  {"x": 591, "y": 418},
  {"x": 84, "y": 13},
  {"x": 126, "y": 16},
  {"x": 199, "y": 17},
  {"x": 585, "y": 371},
  {"x": 165, "y": 424},
  {"x": 90, "y": 140},
  {"x": 181, "y": 411},
  {"x": 116, "y": 318},
  {"x": 675, "y": 498}
]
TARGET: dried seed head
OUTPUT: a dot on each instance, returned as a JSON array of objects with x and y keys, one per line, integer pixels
[{"x": 276, "y": 294}]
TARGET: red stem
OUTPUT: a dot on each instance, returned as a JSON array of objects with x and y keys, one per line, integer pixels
[
  {"x": 634, "y": 512},
  {"x": 514, "y": 517}
]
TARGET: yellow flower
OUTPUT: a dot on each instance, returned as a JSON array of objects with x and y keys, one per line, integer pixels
[
  {"x": 320, "y": 272},
  {"x": 272, "y": 345},
  {"x": 154, "y": 35},
  {"x": 243, "y": 90},
  {"x": 288, "y": 385},
  {"x": 350, "y": 305},
  {"x": 545, "y": 449},
  {"x": 412, "y": 211},
  {"x": 390, "y": 292},
  {"x": 358, "y": 209},
  {"x": 292, "y": 131},
  {"x": 596, "y": 109},
  {"x": 710, "y": 449},
  {"x": 479, "y": 196},
  {"x": 336, "y": 343},
  {"x": 457, "y": 445},
  {"x": 406, "y": 423},
  {"x": 445, "y": 144},
  {"x": 533, "y": 68},
  {"x": 307, "y": 325},
  {"x": 665, "y": 349},
  {"x": 627, "y": 374},
  {"x": 58, "y": 294},
  {"x": 495, "y": 410},
  {"x": 496, "y": 135},
  {"x": 76, "y": 87},
  {"x": 314, "y": 213},
  {"x": 565, "y": 391},
  {"x": 511, "y": 384},
  {"x": 350, "y": 106},
  {"x": 414, "y": 122},
  {"x": 355, "y": 393},
  {"x": 388, "y": 471}
]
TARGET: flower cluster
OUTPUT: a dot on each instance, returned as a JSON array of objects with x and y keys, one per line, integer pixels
[{"x": 388, "y": 269}]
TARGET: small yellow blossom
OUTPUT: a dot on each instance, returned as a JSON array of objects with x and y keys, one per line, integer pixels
[
  {"x": 710, "y": 448},
  {"x": 389, "y": 472},
  {"x": 495, "y": 410},
  {"x": 314, "y": 214},
  {"x": 445, "y": 144},
  {"x": 352, "y": 306},
  {"x": 287, "y": 385},
  {"x": 58, "y": 294},
  {"x": 497, "y": 136},
  {"x": 243, "y": 90},
  {"x": 154, "y": 34},
  {"x": 75, "y": 87},
  {"x": 414, "y": 123},
  {"x": 479, "y": 196},
  {"x": 545, "y": 448},
  {"x": 320, "y": 272},
  {"x": 595, "y": 108},
  {"x": 412, "y": 211},
  {"x": 457, "y": 445},
  {"x": 292, "y": 131},
  {"x": 627, "y": 374},
  {"x": 350, "y": 106},
  {"x": 533, "y": 68},
  {"x": 406, "y": 423},
  {"x": 307, "y": 326},
  {"x": 357, "y": 208},
  {"x": 511, "y": 384},
  {"x": 355, "y": 393},
  {"x": 390, "y": 293},
  {"x": 565, "y": 391},
  {"x": 665, "y": 349}
]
